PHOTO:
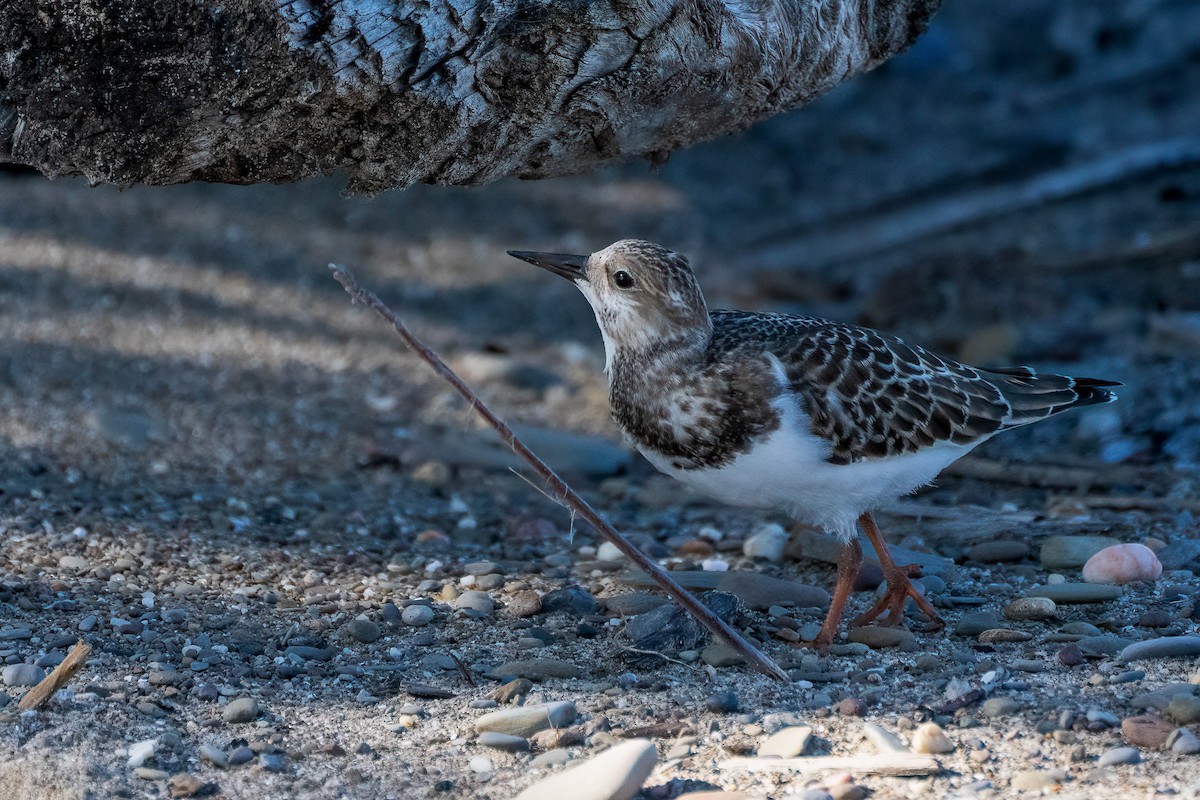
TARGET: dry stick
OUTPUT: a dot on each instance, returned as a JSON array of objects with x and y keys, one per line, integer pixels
[
  {"x": 753, "y": 656},
  {"x": 57, "y": 679}
]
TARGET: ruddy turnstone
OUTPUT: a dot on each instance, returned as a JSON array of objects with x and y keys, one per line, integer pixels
[{"x": 820, "y": 420}]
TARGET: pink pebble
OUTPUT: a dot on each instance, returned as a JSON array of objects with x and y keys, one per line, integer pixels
[{"x": 1122, "y": 563}]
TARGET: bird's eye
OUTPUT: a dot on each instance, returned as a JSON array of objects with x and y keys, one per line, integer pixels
[{"x": 622, "y": 279}]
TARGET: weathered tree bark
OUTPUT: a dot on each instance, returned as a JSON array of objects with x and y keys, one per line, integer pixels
[{"x": 440, "y": 91}]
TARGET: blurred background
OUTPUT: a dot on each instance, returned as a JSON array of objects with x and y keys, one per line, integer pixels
[{"x": 1022, "y": 187}]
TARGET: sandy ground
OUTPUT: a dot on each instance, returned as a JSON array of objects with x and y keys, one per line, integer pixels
[{"x": 207, "y": 456}]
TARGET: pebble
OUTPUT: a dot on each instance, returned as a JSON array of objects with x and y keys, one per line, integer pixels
[
  {"x": 615, "y": 774},
  {"x": 931, "y": 739},
  {"x": 722, "y": 703},
  {"x": 527, "y": 603},
  {"x": 551, "y": 758},
  {"x": 141, "y": 752},
  {"x": 74, "y": 563},
  {"x": 214, "y": 755},
  {"x": 271, "y": 762},
  {"x": 1122, "y": 563},
  {"x": 1163, "y": 647},
  {"x": 241, "y": 755},
  {"x": 976, "y": 622},
  {"x": 22, "y": 675},
  {"x": 766, "y": 543},
  {"x": 1070, "y": 552},
  {"x": 1184, "y": 742},
  {"x": 1077, "y": 592},
  {"x": 504, "y": 741},
  {"x": 575, "y": 600},
  {"x": 1184, "y": 709},
  {"x": 417, "y": 616},
  {"x": 524, "y": 721},
  {"x": 1036, "y": 779},
  {"x": 852, "y": 707},
  {"x": 1000, "y": 707},
  {"x": 363, "y": 630},
  {"x": 719, "y": 654},
  {"x": 1148, "y": 730},
  {"x": 877, "y": 637},
  {"x": 1070, "y": 656},
  {"x": 998, "y": 552},
  {"x": 243, "y": 709},
  {"x": 475, "y": 600},
  {"x": 184, "y": 784},
  {"x": 882, "y": 739},
  {"x": 787, "y": 743},
  {"x": 1031, "y": 608},
  {"x": 537, "y": 669},
  {"x": 632, "y": 604},
  {"x": 1004, "y": 635},
  {"x": 1119, "y": 755}
]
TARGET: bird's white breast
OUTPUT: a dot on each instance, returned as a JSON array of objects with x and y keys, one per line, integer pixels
[{"x": 788, "y": 471}]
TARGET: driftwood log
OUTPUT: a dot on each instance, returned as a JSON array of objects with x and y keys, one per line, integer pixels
[{"x": 393, "y": 92}]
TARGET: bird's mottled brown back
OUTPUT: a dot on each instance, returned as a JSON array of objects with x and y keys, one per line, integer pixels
[{"x": 866, "y": 394}]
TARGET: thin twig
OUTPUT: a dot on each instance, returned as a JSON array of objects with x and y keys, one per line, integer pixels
[
  {"x": 60, "y": 677},
  {"x": 753, "y": 656}
]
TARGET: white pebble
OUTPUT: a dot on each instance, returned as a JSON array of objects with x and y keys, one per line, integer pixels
[
  {"x": 714, "y": 565},
  {"x": 609, "y": 552},
  {"x": 766, "y": 543},
  {"x": 1122, "y": 563},
  {"x": 481, "y": 764},
  {"x": 141, "y": 752}
]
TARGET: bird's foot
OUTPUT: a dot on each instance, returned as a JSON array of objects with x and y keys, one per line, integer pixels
[{"x": 889, "y": 611}]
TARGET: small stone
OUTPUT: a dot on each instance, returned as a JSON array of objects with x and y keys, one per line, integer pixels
[
  {"x": 976, "y": 622},
  {"x": 882, "y": 739},
  {"x": 632, "y": 604},
  {"x": 766, "y": 543},
  {"x": 1036, "y": 779},
  {"x": 243, "y": 709},
  {"x": 722, "y": 703},
  {"x": 551, "y": 758},
  {"x": 214, "y": 755},
  {"x": 22, "y": 675},
  {"x": 931, "y": 739},
  {"x": 272, "y": 762},
  {"x": 1184, "y": 742},
  {"x": 719, "y": 654},
  {"x": 575, "y": 600},
  {"x": 1004, "y": 635},
  {"x": 241, "y": 755},
  {"x": 149, "y": 774},
  {"x": 787, "y": 743},
  {"x": 1120, "y": 755},
  {"x": 513, "y": 690},
  {"x": 1163, "y": 647},
  {"x": 1184, "y": 709},
  {"x": 1070, "y": 656},
  {"x": 1000, "y": 707},
  {"x": 186, "y": 785},
  {"x": 852, "y": 707},
  {"x": 363, "y": 630},
  {"x": 998, "y": 552},
  {"x": 74, "y": 563},
  {"x": 504, "y": 741},
  {"x": 1122, "y": 563},
  {"x": 1066, "y": 593},
  {"x": 417, "y": 616},
  {"x": 615, "y": 774},
  {"x": 1147, "y": 730},
  {"x": 527, "y": 603},
  {"x": 524, "y": 721},
  {"x": 141, "y": 752},
  {"x": 475, "y": 600},
  {"x": 838, "y": 791},
  {"x": 878, "y": 638},
  {"x": 538, "y": 669},
  {"x": 1070, "y": 552},
  {"x": 1031, "y": 608}
]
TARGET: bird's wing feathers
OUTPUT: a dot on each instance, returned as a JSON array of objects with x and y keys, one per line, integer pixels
[{"x": 872, "y": 396}]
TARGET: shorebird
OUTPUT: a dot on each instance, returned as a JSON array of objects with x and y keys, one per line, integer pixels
[{"x": 820, "y": 420}]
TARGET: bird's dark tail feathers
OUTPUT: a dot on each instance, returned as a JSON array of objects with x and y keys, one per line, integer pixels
[{"x": 1033, "y": 396}]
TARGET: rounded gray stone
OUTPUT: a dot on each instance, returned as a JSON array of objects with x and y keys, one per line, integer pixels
[
  {"x": 1163, "y": 647},
  {"x": 417, "y": 616},
  {"x": 615, "y": 774},
  {"x": 1120, "y": 755},
  {"x": 1077, "y": 592},
  {"x": 504, "y": 741},
  {"x": 1031, "y": 608},
  {"x": 243, "y": 709},
  {"x": 524, "y": 721},
  {"x": 23, "y": 675}
]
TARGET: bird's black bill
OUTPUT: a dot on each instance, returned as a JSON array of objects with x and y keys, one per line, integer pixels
[{"x": 571, "y": 267}]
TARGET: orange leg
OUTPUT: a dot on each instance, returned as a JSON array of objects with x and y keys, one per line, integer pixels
[
  {"x": 899, "y": 587},
  {"x": 848, "y": 565}
]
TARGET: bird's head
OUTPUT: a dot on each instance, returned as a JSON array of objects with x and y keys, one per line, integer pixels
[{"x": 644, "y": 295}]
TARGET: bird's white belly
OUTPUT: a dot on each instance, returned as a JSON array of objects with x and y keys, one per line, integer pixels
[{"x": 788, "y": 472}]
